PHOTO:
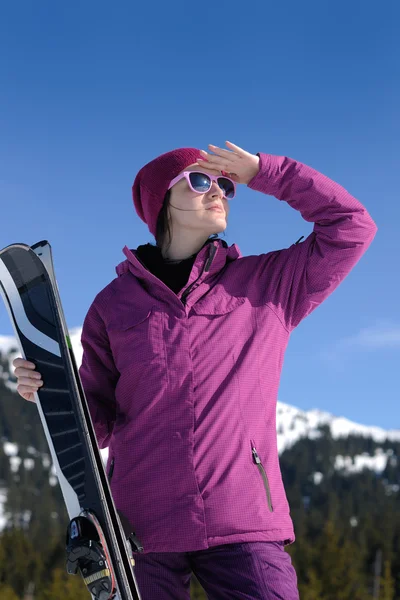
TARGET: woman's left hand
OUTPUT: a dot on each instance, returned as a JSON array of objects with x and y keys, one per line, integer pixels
[{"x": 239, "y": 165}]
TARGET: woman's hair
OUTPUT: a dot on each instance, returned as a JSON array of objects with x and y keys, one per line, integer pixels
[{"x": 163, "y": 229}]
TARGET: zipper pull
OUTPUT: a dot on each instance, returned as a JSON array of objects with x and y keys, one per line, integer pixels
[
  {"x": 213, "y": 250},
  {"x": 111, "y": 470},
  {"x": 256, "y": 457}
]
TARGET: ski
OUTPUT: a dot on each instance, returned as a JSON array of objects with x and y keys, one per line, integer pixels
[{"x": 99, "y": 539}]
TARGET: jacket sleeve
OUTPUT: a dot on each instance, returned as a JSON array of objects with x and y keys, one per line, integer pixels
[
  {"x": 300, "y": 278},
  {"x": 99, "y": 376}
]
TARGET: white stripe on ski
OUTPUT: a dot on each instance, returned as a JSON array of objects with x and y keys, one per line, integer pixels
[
  {"x": 19, "y": 318},
  {"x": 70, "y": 497}
]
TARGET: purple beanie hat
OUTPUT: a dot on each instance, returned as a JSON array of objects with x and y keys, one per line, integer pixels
[{"x": 152, "y": 181}]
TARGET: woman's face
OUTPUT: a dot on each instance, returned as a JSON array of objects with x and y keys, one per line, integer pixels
[{"x": 204, "y": 213}]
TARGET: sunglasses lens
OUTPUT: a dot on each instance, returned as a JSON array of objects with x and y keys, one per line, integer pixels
[
  {"x": 201, "y": 183},
  {"x": 227, "y": 186}
]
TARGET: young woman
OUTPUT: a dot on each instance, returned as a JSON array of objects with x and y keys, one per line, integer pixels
[{"x": 182, "y": 358}]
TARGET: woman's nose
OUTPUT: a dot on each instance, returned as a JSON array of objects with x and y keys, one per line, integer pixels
[{"x": 215, "y": 188}]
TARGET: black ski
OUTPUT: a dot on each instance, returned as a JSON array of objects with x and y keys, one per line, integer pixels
[{"x": 99, "y": 540}]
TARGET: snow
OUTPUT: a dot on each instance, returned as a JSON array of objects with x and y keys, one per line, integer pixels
[
  {"x": 9, "y": 349},
  {"x": 317, "y": 477},
  {"x": 15, "y": 462},
  {"x": 29, "y": 464},
  {"x": 7, "y": 343},
  {"x": 31, "y": 450},
  {"x": 10, "y": 449},
  {"x": 359, "y": 462},
  {"x": 26, "y": 517},
  {"x": 293, "y": 424},
  {"x": 46, "y": 462},
  {"x": 343, "y": 427},
  {"x": 392, "y": 488},
  {"x": 3, "y": 498}
]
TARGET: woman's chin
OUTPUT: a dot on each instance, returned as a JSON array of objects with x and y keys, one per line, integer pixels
[{"x": 219, "y": 228}]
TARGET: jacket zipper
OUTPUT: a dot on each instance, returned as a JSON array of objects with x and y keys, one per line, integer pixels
[
  {"x": 206, "y": 268},
  {"x": 111, "y": 470},
  {"x": 260, "y": 467}
]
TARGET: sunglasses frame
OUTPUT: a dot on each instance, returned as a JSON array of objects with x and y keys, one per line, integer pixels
[{"x": 186, "y": 175}]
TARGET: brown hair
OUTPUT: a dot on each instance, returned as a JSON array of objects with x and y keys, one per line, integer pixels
[{"x": 163, "y": 229}]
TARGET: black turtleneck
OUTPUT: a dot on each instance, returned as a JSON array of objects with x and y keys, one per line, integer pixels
[{"x": 174, "y": 274}]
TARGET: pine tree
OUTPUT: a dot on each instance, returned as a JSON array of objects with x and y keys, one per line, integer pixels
[
  {"x": 63, "y": 586},
  {"x": 7, "y": 593},
  {"x": 20, "y": 563},
  {"x": 339, "y": 565},
  {"x": 312, "y": 588},
  {"x": 387, "y": 582}
]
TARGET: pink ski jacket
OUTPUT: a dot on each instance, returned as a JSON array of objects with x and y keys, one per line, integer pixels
[{"x": 183, "y": 388}]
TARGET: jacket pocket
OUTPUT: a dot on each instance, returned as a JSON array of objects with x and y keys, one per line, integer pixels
[
  {"x": 264, "y": 475},
  {"x": 111, "y": 470},
  {"x": 137, "y": 337}
]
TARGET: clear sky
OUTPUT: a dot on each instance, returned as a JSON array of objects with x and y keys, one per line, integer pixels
[{"x": 91, "y": 91}]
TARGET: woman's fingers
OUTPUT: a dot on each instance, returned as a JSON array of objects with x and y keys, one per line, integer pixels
[
  {"x": 26, "y": 364},
  {"x": 26, "y": 393},
  {"x": 29, "y": 382},
  {"x": 21, "y": 372},
  {"x": 228, "y": 154},
  {"x": 237, "y": 149},
  {"x": 28, "y": 379}
]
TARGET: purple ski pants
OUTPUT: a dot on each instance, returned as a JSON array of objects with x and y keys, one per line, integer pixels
[{"x": 243, "y": 571}]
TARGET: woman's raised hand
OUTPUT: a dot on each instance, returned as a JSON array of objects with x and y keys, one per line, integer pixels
[{"x": 236, "y": 163}]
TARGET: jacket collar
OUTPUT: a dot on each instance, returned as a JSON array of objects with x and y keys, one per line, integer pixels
[{"x": 211, "y": 259}]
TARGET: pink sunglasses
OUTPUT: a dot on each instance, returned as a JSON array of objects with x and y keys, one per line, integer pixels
[{"x": 201, "y": 183}]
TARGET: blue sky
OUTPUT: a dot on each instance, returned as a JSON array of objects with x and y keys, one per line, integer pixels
[{"x": 91, "y": 91}]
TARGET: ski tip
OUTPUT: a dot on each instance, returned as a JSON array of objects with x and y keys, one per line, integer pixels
[{"x": 40, "y": 244}]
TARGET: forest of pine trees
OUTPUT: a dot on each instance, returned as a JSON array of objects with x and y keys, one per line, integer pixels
[{"x": 347, "y": 526}]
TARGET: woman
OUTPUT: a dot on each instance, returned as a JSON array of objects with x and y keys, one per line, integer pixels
[{"x": 182, "y": 359}]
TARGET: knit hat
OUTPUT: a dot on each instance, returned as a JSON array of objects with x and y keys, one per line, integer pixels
[{"x": 152, "y": 181}]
